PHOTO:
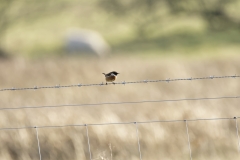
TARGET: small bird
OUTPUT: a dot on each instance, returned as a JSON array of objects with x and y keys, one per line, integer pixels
[{"x": 110, "y": 77}]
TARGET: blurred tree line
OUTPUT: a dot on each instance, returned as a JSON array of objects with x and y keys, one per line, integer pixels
[
  {"x": 21, "y": 11},
  {"x": 219, "y": 15}
]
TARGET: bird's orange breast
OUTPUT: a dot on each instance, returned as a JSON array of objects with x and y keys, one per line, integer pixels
[{"x": 111, "y": 78}]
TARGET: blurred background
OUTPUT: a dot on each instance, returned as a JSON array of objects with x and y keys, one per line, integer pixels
[
  {"x": 47, "y": 43},
  {"x": 47, "y": 28}
]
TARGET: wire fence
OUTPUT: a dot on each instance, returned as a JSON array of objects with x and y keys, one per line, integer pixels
[
  {"x": 118, "y": 83},
  {"x": 118, "y": 123},
  {"x": 137, "y": 131},
  {"x": 118, "y": 103}
]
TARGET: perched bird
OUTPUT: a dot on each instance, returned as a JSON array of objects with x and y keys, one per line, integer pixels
[{"x": 110, "y": 77}]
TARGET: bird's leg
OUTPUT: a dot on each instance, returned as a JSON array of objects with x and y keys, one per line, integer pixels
[
  {"x": 106, "y": 83},
  {"x": 113, "y": 83}
]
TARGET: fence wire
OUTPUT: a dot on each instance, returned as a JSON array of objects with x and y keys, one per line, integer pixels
[
  {"x": 118, "y": 103},
  {"x": 189, "y": 144},
  {"x": 39, "y": 149},
  {"x": 118, "y": 83},
  {"x": 88, "y": 139},
  {"x": 139, "y": 146},
  {"x": 124, "y": 123},
  {"x": 118, "y": 123},
  {"x": 237, "y": 134},
  {"x": 115, "y": 103}
]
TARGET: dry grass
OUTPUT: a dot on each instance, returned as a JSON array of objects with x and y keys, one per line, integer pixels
[{"x": 209, "y": 139}]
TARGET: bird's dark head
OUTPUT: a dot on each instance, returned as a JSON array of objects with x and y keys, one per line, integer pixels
[{"x": 115, "y": 73}]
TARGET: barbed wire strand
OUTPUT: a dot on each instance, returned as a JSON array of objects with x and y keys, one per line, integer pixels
[
  {"x": 189, "y": 145},
  {"x": 39, "y": 149},
  {"x": 118, "y": 83},
  {"x": 89, "y": 147},
  {"x": 116, "y": 123},
  {"x": 139, "y": 147},
  {"x": 237, "y": 134},
  {"x": 117, "y": 103}
]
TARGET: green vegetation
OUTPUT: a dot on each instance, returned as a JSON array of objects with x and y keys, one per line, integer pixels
[{"x": 37, "y": 28}]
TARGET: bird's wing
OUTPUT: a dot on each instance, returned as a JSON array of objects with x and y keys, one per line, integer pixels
[{"x": 109, "y": 74}]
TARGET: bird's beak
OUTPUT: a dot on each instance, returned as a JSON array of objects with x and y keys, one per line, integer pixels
[{"x": 103, "y": 73}]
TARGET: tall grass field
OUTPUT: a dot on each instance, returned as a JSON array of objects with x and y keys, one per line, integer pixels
[{"x": 215, "y": 140}]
